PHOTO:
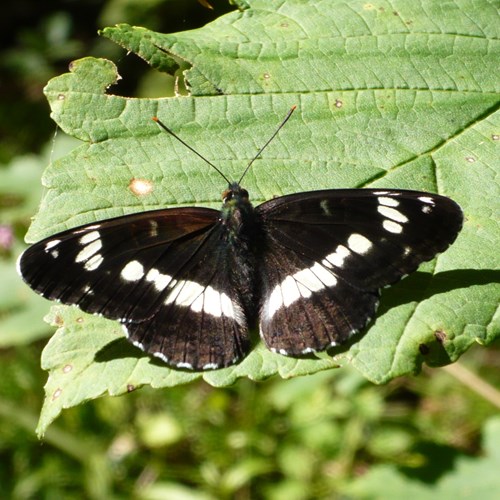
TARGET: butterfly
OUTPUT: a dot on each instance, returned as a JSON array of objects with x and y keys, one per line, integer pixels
[{"x": 189, "y": 284}]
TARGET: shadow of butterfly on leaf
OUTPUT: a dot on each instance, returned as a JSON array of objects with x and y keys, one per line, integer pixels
[{"x": 415, "y": 288}]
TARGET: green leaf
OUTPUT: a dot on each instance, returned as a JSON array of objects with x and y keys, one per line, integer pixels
[
  {"x": 397, "y": 95},
  {"x": 442, "y": 474}
]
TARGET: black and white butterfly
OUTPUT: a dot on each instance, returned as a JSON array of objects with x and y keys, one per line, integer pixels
[{"x": 188, "y": 284}]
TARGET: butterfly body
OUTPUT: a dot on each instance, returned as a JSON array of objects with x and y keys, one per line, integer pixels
[
  {"x": 188, "y": 284},
  {"x": 242, "y": 238}
]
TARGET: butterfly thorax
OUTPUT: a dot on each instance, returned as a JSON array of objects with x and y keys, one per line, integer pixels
[
  {"x": 237, "y": 214},
  {"x": 243, "y": 236}
]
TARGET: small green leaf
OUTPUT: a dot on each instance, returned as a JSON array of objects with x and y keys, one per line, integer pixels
[{"x": 397, "y": 95}]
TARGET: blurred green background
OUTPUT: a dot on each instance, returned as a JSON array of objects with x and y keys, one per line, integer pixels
[{"x": 332, "y": 435}]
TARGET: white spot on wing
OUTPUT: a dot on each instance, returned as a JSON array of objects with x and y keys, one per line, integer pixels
[
  {"x": 392, "y": 213},
  {"x": 324, "y": 206},
  {"x": 426, "y": 209},
  {"x": 161, "y": 356},
  {"x": 336, "y": 258},
  {"x": 89, "y": 237},
  {"x": 323, "y": 277},
  {"x": 208, "y": 301},
  {"x": 210, "y": 366},
  {"x": 359, "y": 243},
  {"x": 51, "y": 244},
  {"x": 161, "y": 281},
  {"x": 427, "y": 199},
  {"x": 87, "y": 228},
  {"x": 133, "y": 271},
  {"x": 283, "y": 352},
  {"x": 89, "y": 250},
  {"x": 184, "y": 293},
  {"x": 94, "y": 262},
  {"x": 198, "y": 298},
  {"x": 274, "y": 302},
  {"x": 388, "y": 202},
  {"x": 301, "y": 284},
  {"x": 228, "y": 308},
  {"x": 392, "y": 227},
  {"x": 138, "y": 344},
  {"x": 185, "y": 364},
  {"x": 18, "y": 264},
  {"x": 153, "y": 228},
  {"x": 290, "y": 291}
]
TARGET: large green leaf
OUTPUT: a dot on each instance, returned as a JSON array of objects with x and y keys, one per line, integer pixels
[{"x": 396, "y": 94}]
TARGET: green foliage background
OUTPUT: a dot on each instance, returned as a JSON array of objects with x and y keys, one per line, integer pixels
[{"x": 327, "y": 435}]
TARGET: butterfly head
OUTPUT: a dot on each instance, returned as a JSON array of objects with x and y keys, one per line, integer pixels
[{"x": 234, "y": 194}]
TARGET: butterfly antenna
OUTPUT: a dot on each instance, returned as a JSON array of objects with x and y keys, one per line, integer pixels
[
  {"x": 280, "y": 126},
  {"x": 164, "y": 127}
]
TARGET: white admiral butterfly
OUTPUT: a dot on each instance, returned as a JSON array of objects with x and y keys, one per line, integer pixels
[{"x": 188, "y": 284}]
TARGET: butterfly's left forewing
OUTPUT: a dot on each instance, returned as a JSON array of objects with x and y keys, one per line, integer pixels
[
  {"x": 159, "y": 273},
  {"x": 329, "y": 252}
]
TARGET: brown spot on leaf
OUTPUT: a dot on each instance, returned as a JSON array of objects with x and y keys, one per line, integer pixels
[
  {"x": 140, "y": 187},
  {"x": 67, "y": 368},
  {"x": 56, "y": 394},
  {"x": 440, "y": 336}
]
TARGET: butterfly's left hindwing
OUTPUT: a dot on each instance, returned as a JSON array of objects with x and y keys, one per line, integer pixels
[
  {"x": 329, "y": 252},
  {"x": 160, "y": 273}
]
